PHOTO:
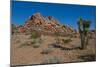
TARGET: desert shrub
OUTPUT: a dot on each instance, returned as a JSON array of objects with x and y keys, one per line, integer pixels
[
  {"x": 55, "y": 45},
  {"x": 33, "y": 41},
  {"x": 23, "y": 45},
  {"x": 75, "y": 36},
  {"x": 66, "y": 40},
  {"x": 38, "y": 40},
  {"x": 34, "y": 35},
  {"x": 36, "y": 45},
  {"x": 46, "y": 51},
  {"x": 53, "y": 59},
  {"x": 32, "y": 44},
  {"x": 72, "y": 35}
]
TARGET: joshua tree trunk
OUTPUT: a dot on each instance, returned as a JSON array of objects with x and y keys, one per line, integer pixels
[
  {"x": 83, "y": 27},
  {"x": 82, "y": 40},
  {"x": 81, "y": 36}
]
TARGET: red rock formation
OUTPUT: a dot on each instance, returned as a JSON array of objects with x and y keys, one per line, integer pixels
[
  {"x": 21, "y": 29},
  {"x": 37, "y": 22}
]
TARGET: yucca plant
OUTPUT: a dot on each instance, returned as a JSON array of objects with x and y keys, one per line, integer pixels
[
  {"x": 80, "y": 28},
  {"x": 86, "y": 26},
  {"x": 83, "y": 27}
]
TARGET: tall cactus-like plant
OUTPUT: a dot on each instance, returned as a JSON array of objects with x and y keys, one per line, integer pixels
[
  {"x": 83, "y": 26},
  {"x": 80, "y": 28},
  {"x": 86, "y": 26}
]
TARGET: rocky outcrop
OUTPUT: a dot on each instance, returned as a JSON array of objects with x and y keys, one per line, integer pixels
[{"x": 45, "y": 24}]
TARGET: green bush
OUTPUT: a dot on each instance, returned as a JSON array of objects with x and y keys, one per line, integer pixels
[
  {"x": 36, "y": 45},
  {"x": 36, "y": 42},
  {"x": 34, "y": 35},
  {"x": 66, "y": 40},
  {"x": 33, "y": 42}
]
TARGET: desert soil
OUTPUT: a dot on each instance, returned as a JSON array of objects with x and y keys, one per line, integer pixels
[{"x": 28, "y": 55}]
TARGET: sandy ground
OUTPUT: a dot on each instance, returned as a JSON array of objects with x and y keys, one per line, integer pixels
[{"x": 28, "y": 55}]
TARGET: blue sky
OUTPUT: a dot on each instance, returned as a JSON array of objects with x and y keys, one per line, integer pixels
[{"x": 64, "y": 13}]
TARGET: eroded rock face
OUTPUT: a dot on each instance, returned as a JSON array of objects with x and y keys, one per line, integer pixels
[{"x": 46, "y": 24}]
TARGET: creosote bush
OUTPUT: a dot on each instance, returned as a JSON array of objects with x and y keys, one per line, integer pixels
[
  {"x": 36, "y": 41},
  {"x": 36, "y": 45},
  {"x": 34, "y": 35},
  {"x": 66, "y": 40}
]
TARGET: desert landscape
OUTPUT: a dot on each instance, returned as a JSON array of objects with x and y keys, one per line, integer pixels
[{"x": 45, "y": 40}]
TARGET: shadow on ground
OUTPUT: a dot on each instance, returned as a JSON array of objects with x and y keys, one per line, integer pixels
[
  {"x": 63, "y": 48},
  {"x": 87, "y": 58}
]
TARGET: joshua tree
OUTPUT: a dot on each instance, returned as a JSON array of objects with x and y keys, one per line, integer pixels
[
  {"x": 80, "y": 31},
  {"x": 83, "y": 26},
  {"x": 86, "y": 26}
]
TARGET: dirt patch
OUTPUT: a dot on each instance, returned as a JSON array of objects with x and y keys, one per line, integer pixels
[{"x": 53, "y": 52}]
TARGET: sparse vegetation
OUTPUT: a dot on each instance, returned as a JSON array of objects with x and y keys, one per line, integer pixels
[
  {"x": 23, "y": 45},
  {"x": 33, "y": 42},
  {"x": 66, "y": 40},
  {"x": 36, "y": 45},
  {"x": 56, "y": 44},
  {"x": 36, "y": 41},
  {"x": 46, "y": 51},
  {"x": 34, "y": 35},
  {"x": 52, "y": 59}
]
